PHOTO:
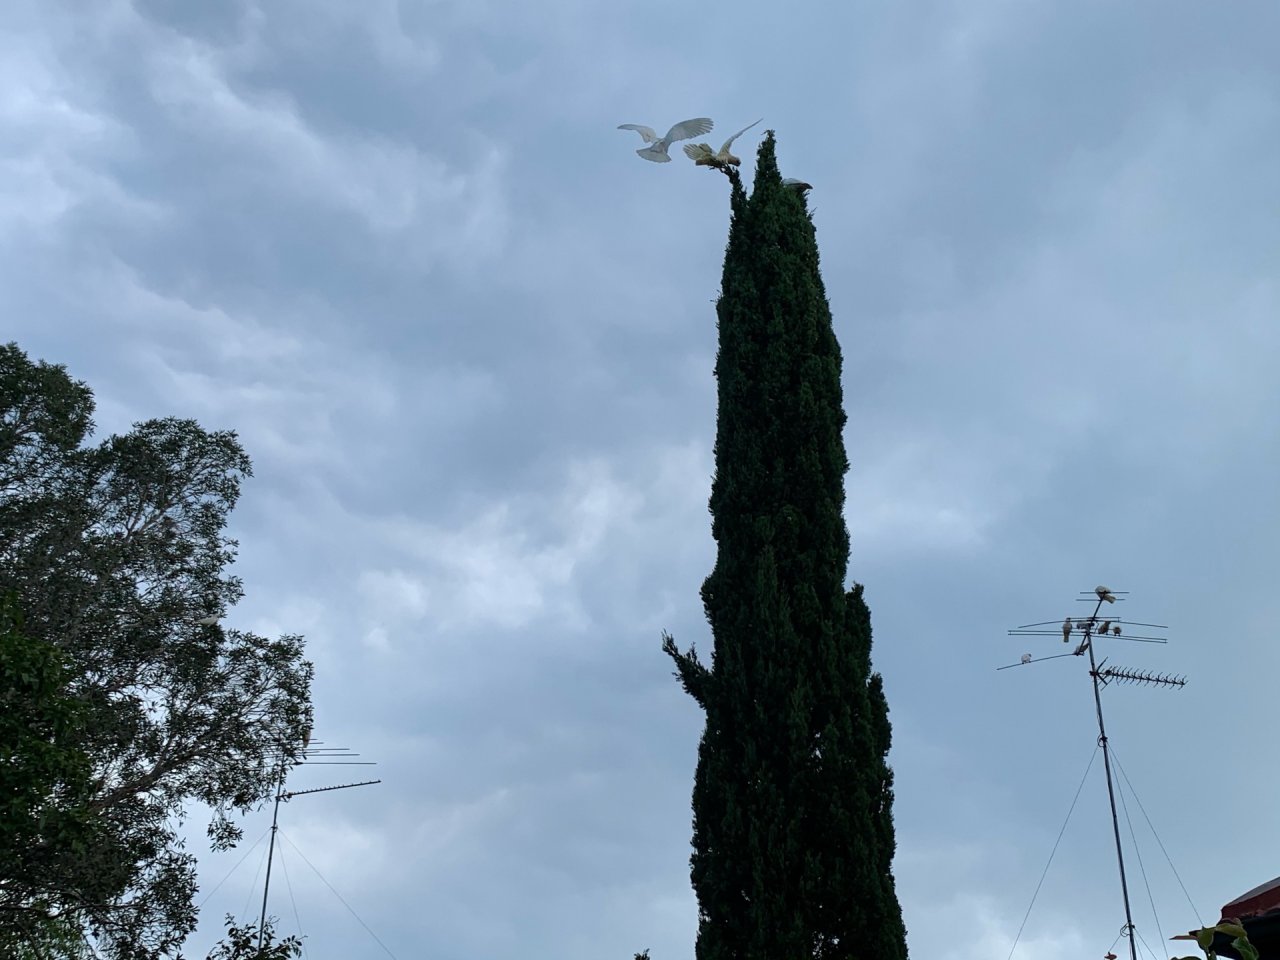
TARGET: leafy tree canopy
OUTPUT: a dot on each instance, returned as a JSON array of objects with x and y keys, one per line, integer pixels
[{"x": 116, "y": 552}]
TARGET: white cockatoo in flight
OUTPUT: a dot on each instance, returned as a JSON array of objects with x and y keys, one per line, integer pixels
[
  {"x": 657, "y": 146},
  {"x": 701, "y": 154},
  {"x": 1104, "y": 593}
]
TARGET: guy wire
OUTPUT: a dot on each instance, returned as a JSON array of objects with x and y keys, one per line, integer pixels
[{"x": 1045, "y": 873}]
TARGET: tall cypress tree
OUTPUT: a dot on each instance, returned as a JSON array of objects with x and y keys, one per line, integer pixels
[{"x": 793, "y": 828}]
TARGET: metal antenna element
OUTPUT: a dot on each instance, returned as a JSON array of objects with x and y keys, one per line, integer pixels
[
  {"x": 308, "y": 751},
  {"x": 1125, "y": 675},
  {"x": 1087, "y": 631}
]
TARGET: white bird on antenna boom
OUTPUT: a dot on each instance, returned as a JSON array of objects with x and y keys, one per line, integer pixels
[
  {"x": 1066, "y": 630},
  {"x": 657, "y": 146},
  {"x": 700, "y": 153},
  {"x": 1104, "y": 593}
]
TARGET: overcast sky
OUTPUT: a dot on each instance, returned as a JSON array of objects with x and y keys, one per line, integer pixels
[{"x": 467, "y": 337}]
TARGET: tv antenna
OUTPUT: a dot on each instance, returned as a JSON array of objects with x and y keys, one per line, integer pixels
[
  {"x": 1087, "y": 630},
  {"x": 325, "y": 756}
]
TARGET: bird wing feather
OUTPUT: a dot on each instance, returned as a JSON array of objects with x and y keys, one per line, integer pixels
[
  {"x": 648, "y": 133},
  {"x": 686, "y": 129},
  {"x": 696, "y": 151},
  {"x": 728, "y": 143}
]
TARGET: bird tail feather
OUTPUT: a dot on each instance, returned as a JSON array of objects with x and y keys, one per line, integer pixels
[{"x": 654, "y": 154}]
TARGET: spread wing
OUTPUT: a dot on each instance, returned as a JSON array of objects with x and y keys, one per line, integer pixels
[
  {"x": 728, "y": 143},
  {"x": 648, "y": 133},
  {"x": 686, "y": 129},
  {"x": 697, "y": 151}
]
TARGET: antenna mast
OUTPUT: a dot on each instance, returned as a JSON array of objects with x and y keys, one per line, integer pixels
[{"x": 1092, "y": 628}]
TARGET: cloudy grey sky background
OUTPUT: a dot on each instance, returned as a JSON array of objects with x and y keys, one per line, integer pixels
[{"x": 467, "y": 337}]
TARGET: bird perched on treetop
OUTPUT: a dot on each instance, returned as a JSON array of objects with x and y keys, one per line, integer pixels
[
  {"x": 1104, "y": 593},
  {"x": 700, "y": 153},
  {"x": 791, "y": 183},
  {"x": 657, "y": 146}
]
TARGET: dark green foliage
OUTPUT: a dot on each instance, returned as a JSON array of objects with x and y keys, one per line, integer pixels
[
  {"x": 241, "y": 943},
  {"x": 48, "y": 831},
  {"x": 115, "y": 552},
  {"x": 793, "y": 831}
]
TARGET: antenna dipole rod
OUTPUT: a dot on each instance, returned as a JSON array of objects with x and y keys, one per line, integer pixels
[{"x": 1111, "y": 793}]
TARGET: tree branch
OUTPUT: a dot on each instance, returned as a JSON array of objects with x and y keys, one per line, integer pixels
[{"x": 693, "y": 676}]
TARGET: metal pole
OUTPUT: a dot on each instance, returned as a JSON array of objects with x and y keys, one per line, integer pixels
[
  {"x": 1111, "y": 793},
  {"x": 270, "y": 853}
]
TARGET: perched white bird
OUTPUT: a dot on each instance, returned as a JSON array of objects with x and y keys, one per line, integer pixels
[
  {"x": 306, "y": 738},
  {"x": 1105, "y": 625},
  {"x": 1115, "y": 631},
  {"x": 791, "y": 183},
  {"x": 207, "y": 621},
  {"x": 1026, "y": 658},
  {"x": 700, "y": 153},
  {"x": 1084, "y": 645},
  {"x": 1104, "y": 593},
  {"x": 657, "y": 146},
  {"x": 1066, "y": 630}
]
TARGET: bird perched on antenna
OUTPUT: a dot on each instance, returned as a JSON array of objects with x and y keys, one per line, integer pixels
[
  {"x": 1066, "y": 630},
  {"x": 1026, "y": 658},
  {"x": 702, "y": 155},
  {"x": 657, "y": 146},
  {"x": 1103, "y": 629},
  {"x": 1104, "y": 593},
  {"x": 1115, "y": 631},
  {"x": 306, "y": 738}
]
